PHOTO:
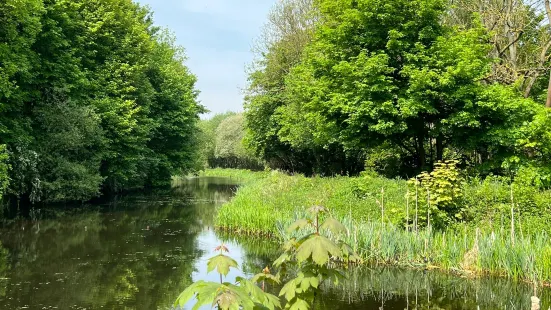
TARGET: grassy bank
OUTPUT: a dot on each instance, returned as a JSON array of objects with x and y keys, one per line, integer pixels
[
  {"x": 242, "y": 176},
  {"x": 482, "y": 243}
]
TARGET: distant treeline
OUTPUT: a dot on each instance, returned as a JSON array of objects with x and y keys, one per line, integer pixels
[
  {"x": 339, "y": 86},
  {"x": 221, "y": 143},
  {"x": 93, "y": 98}
]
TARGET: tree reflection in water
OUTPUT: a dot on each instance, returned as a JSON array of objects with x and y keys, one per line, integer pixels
[{"x": 140, "y": 251}]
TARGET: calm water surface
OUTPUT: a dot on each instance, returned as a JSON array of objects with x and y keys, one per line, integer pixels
[{"x": 141, "y": 251}]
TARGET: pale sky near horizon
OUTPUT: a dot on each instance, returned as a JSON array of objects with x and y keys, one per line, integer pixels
[{"x": 218, "y": 36}]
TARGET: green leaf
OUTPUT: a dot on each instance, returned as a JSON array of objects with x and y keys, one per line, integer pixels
[
  {"x": 265, "y": 277},
  {"x": 288, "y": 290},
  {"x": 333, "y": 225},
  {"x": 299, "y": 304},
  {"x": 226, "y": 300},
  {"x": 204, "y": 291},
  {"x": 290, "y": 245},
  {"x": 283, "y": 258},
  {"x": 222, "y": 263},
  {"x": 314, "y": 281},
  {"x": 298, "y": 225},
  {"x": 319, "y": 249},
  {"x": 258, "y": 296}
]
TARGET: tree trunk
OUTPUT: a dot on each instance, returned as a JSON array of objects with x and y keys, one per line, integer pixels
[
  {"x": 511, "y": 35},
  {"x": 421, "y": 153},
  {"x": 439, "y": 147}
]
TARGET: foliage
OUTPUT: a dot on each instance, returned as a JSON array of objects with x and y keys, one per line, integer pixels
[
  {"x": 426, "y": 81},
  {"x": 441, "y": 188},
  {"x": 290, "y": 28},
  {"x": 531, "y": 165},
  {"x": 93, "y": 98},
  {"x": 382, "y": 237},
  {"x": 519, "y": 39},
  {"x": 207, "y": 137},
  {"x": 227, "y": 296},
  {"x": 416, "y": 85},
  {"x": 4, "y": 170},
  {"x": 229, "y": 150},
  {"x": 311, "y": 257},
  {"x": 221, "y": 143}
]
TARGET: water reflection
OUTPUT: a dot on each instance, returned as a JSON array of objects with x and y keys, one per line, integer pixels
[
  {"x": 140, "y": 251},
  {"x": 398, "y": 289},
  {"x": 136, "y": 252}
]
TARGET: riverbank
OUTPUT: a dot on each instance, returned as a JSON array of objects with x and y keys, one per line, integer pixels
[{"x": 483, "y": 244}]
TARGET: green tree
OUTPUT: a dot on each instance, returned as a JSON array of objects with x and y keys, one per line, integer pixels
[
  {"x": 174, "y": 111},
  {"x": 207, "y": 138},
  {"x": 379, "y": 73},
  {"x": 67, "y": 144},
  {"x": 93, "y": 98},
  {"x": 290, "y": 28},
  {"x": 229, "y": 149}
]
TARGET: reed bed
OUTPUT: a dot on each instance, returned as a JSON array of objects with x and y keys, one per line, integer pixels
[{"x": 484, "y": 245}]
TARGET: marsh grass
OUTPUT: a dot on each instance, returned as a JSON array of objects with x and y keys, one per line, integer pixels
[{"x": 379, "y": 233}]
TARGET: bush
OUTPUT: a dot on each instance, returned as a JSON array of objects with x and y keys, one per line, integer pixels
[{"x": 440, "y": 192}]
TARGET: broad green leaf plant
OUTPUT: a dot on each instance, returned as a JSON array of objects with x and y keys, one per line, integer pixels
[
  {"x": 308, "y": 261},
  {"x": 312, "y": 258},
  {"x": 244, "y": 294}
]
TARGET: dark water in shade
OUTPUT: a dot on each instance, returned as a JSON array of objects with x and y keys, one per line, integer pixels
[{"x": 141, "y": 251}]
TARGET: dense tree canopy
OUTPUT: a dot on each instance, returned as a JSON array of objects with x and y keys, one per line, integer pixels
[
  {"x": 93, "y": 98},
  {"x": 401, "y": 85},
  {"x": 221, "y": 142}
]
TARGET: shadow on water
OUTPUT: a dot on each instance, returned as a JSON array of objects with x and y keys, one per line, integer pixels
[{"x": 139, "y": 251}]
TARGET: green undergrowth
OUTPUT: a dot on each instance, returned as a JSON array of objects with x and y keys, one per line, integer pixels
[
  {"x": 240, "y": 175},
  {"x": 380, "y": 221}
]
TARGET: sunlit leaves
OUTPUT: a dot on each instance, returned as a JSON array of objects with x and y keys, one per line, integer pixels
[
  {"x": 205, "y": 292},
  {"x": 308, "y": 257},
  {"x": 333, "y": 225},
  {"x": 300, "y": 304},
  {"x": 318, "y": 248},
  {"x": 265, "y": 277},
  {"x": 288, "y": 290},
  {"x": 100, "y": 95},
  {"x": 299, "y": 224},
  {"x": 258, "y": 296},
  {"x": 227, "y": 296},
  {"x": 221, "y": 263},
  {"x": 310, "y": 254}
]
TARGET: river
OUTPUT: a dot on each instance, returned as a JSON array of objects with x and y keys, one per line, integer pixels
[{"x": 140, "y": 251}]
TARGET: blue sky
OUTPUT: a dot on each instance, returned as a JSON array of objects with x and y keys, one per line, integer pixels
[{"x": 218, "y": 36}]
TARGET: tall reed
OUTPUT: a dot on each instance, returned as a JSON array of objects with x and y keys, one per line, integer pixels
[{"x": 378, "y": 223}]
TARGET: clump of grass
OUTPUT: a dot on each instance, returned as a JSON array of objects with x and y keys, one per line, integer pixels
[{"x": 379, "y": 233}]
